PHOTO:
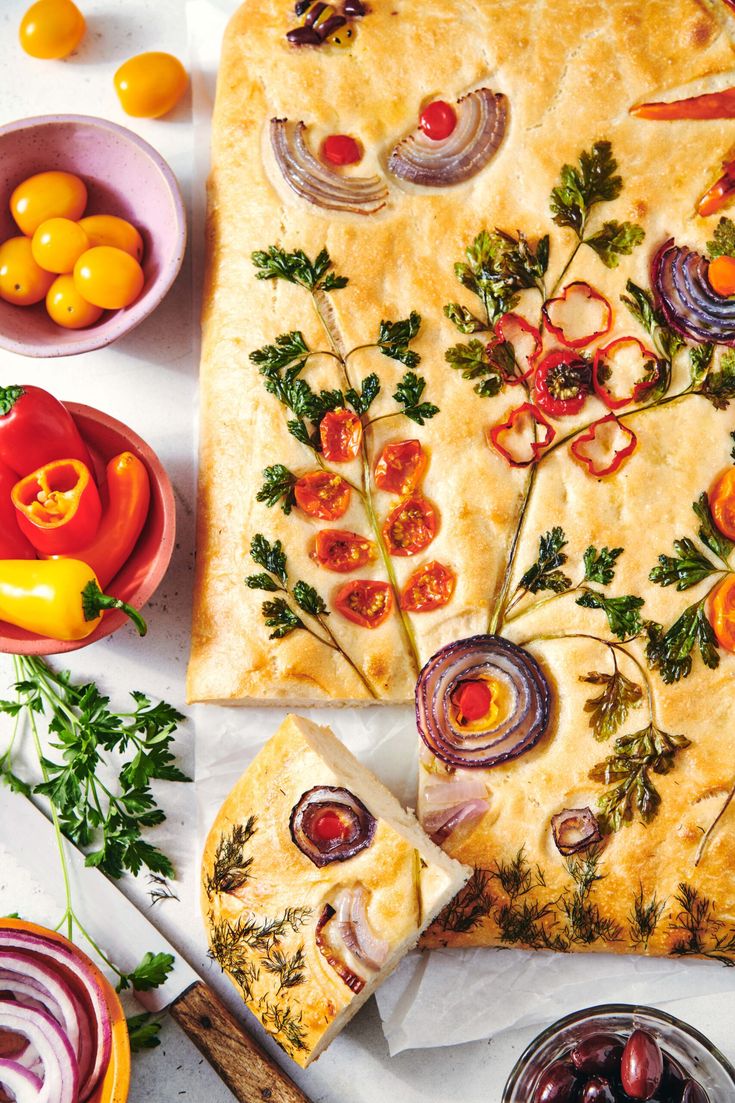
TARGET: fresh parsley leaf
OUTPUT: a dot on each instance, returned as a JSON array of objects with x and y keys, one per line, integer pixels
[
  {"x": 369, "y": 391},
  {"x": 278, "y": 488},
  {"x": 473, "y": 361},
  {"x": 463, "y": 319},
  {"x": 689, "y": 567},
  {"x": 14, "y": 783},
  {"x": 498, "y": 265},
  {"x": 395, "y": 337},
  {"x": 700, "y": 362},
  {"x": 621, "y": 612},
  {"x": 544, "y": 574},
  {"x": 278, "y": 264},
  {"x": 279, "y": 616},
  {"x": 629, "y": 770},
  {"x": 614, "y": 240},
  {"x": 288, "y": 347},
  {"x": 600, "y": 566},
  {"x": 581, "y": 186},
  {"x": 262, "y": 582},
  {"x": 408, "y": 394},
  {"x": 723, "y": 242},
  {"x": 307, "y": 598},
  {"x": 609, "y": 710},
  {"x": 719, "y": 386},
  {"x": 151, "y": 973},
  {"x": 143, "y": 1031},
  {"x": 670, "y": 652},
  {"x": 269, "y": 556},
  {"x": 640, "y": 304},
  {"x": 709, "y": 533}
]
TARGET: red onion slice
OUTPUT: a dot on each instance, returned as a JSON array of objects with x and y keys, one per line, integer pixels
[
  {"x": 358, "y": 825},
  {"x": 353, "y": 981},
  {"x": 444, "y": 822},
  {"x": 689, "y": 304},
  {"x": 481, "y": 121},
  {"x": 575, "y": 829},
  {"x": 355, "y": 930},
  {"x": 21, "y": 972},
  {"x": 20, "y": 1082},
  {"x": 60, "y": 1069},
  {"x": 525, "y": 720},
  {"x": 457, "y": 791},
  {"x": 315, "y": 182}
]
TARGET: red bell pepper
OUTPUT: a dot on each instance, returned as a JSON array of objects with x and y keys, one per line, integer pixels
[
  {"x": 511, "y": 329},
  {"x": 603, "y": 367},
  {"x": 719, "y": 194},
  {"x": 499, "y": 435},
  {"x": 578, "y": 289},
  {"x": 710, "y": 105},
  {"x": 13, "y": 544},
  {"x": 561, "y": 384},
  {"x": 35, "y": 429},
  {"x": 595, "y": 463},
  {"x": 58, "y": 507}
]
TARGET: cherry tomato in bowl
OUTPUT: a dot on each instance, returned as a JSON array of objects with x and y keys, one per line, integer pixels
[
  {"x": 68, "y": 308},
  {"x": 47, "y": 195},
  {"x": 151, "y": 84},
  {"x": 51, "y": 29},
  {"x": 22, "y": 281},
  {"x": 108, "y": 277},
  {"x": 57, "y": 245},
  {"x": 108, "y": 229}
]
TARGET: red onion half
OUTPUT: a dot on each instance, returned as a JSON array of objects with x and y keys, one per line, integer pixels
[
  {"x": 329, "y": 824},
  {"x": 689, "y": 304},
  {"x": 516, "y": 731}
]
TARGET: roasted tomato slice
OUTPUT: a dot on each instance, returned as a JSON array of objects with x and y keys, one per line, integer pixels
[
  {"x": 430, "y": 587},
  {"x": 411, "y": 526},
  {"x": 341, "y": 435},
  {"x": 365, "y": 603},
  {"x": 342, "y": 551},
  {"x": 722, "y": 613},
  {"x": 722, "y": 503},
  {"x": 400, "y": 467},
  {"x": 322, "y": 494},
  {"x": 561, "y": 383}
]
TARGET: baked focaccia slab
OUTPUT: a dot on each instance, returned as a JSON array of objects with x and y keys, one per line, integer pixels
[{"x": 488, "y": 460}]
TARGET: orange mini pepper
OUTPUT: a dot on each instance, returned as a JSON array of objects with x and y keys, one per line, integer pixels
[{"x": 58, "y": 507}]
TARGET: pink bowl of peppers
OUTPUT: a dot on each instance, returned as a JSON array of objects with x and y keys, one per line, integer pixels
[{"x": 113, "y": 451}]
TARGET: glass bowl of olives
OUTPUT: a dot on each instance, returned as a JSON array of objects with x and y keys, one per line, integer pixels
[{"x": 621, "y": 1053}]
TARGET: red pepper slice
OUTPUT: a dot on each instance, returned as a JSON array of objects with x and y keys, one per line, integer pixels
[
  {"x": 561, "y": 383},
  {"x": 499, "y": 435},
  {"x": 58, "y": 507},
  {"x": 35, "y": 429},
  {"x": 719, "y": 194},
  {"x": 13, "y": 544},
  {"x": 515, "y": 331},
  {"x": 596, "y": 464},
  {"x": 710, "y": 105},
  {"x": 603, "y": 366},
  {"x": 578, "y": 289}
]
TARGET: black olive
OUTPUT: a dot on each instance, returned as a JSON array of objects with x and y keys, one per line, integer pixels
[
  {"x": 694, "y": 1093},
  {"x": 598, "y": 1054},
  {"x": 354, "y": 8},
  {"x": 303, "y": 36},
  {"x": 557, "y": 1084},
  {"x": 598, "y": 1090},
  {"x": 331, "y": 25},
  {"x": 642, "y": 1066},
  {"x": 674, "y": 1080},
  {"x": 313, "y": 14}
]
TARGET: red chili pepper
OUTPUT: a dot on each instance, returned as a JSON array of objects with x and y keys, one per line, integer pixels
[
  {"x": 35, "y": 429},
  {"x": 578, "y": 287},
  {"x": 577, "y": 447},
  {"x": 711, "y": 105},
  {"x": 58, "y": 507},
  {"x": 13, "y": 544},
  {"x": 601, "y": 364},
  {"x": 561, "y": 384},
  {"x": 504, "y": 333},
  {"x": 718, "y": 195},
  {"x": 498, "y": 433}
]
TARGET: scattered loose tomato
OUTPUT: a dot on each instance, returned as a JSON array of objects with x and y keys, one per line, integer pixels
[
  {"x": 722, "y": 503},
  {"x": 66, "y": 306},
  {"x": 341, "y": 435},
  {"x": 365, "y": 603},
  {"x": 722, "y": 613},
  {"x": 108, "y": 277},
  {"x": 108, "y": 229},
  {"x": 150, "y": 85},
  {"x": 721, "y": 275},
  {"x": 400, "y": 467},
  {"x": 341, "y": 149},
  {"x": 437, "y": 120},
  {"x": 411, "y": 526},
  {"x": 47, "y": 195},
  {"x": 322, "y": 494},
  {"x": 430, "y": 587},
  {"x": 342, "y": 551},
  {"x": 51, "y": 29},
  {"x": 58, "y": 243},
  {"x": 22, "y": 282}
]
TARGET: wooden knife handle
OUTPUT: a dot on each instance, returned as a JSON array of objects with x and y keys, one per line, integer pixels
[{"x": 248, "y": 1071}]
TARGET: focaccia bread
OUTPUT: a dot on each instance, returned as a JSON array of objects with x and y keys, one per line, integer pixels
[{"x": 315, "y": 883}]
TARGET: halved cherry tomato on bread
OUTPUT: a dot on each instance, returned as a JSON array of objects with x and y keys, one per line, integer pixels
[
  {"x": 722, "y": 503},
  {"x": 342, "y": 551},
  {"x": 429, "y": 587},
  {"x": 722, "y": 613},
  {"x": 341, "y": 435},
  {"x": 322, "y": 494},
  {"x": 604, "y": 447},
  {"x": 721, "y": 275},
  {"x": 364, "y": 602},
  {"x": 400, "y": 467},
  {"x": 579, "y": 316},
  {"x": 411, "y": 526},
  {"x": 561, "y": 383},
  {"x": 438, "y": 120},
  {"x": 523, "y": 437}
]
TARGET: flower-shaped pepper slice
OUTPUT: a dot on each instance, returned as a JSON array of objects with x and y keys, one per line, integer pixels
[
  {"x": 624, "y": 354},
  {"x": 579, "y": 316},
  {"x": 518, "y": 440},
  {"x": 604, "y": 447}
]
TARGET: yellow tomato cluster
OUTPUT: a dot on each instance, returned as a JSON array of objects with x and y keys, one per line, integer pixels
[
  {"x": 148, "y": 85},
  {"x": 80, "y": 266}
]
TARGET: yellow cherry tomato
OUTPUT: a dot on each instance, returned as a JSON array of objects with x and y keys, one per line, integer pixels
[
  {"x": 108, "y": 277},
  {"x": 22, "y": 282},
  {"x": 66, "y": 306},
  {"x": 149, "y": 85},
  {"x": 52, "y": 28},
  {"x": 58, "y": 244},
  {"x": 47, "y": 195},
  {"x": 108, "y": 229}
]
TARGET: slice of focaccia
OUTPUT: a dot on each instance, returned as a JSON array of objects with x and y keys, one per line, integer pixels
[{"x": 315, "y": 884}]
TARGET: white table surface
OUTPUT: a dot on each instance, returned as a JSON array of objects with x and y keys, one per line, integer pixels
[{"x": 148, "y": 380}]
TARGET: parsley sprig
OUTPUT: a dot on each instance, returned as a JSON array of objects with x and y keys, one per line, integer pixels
[{"x": 496, "y": 268}]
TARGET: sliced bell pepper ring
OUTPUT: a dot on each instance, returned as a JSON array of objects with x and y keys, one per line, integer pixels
[
  {"x": 603, "y": 367},
  {"x": 500, "y": 436},
  {"x": 58, "y": 598},
  {"x": 720, "y": 193},
  {"x": 35, "y": 428},
  {"x": 710, "y": 105},
  {"x": 561, "y": 383},
  {"x": 578, "y": 290},
  {"x": 13, "y": 544},
  {"x": 511, "y": 329},
  {"x": 592, "y": 451},
  {"x": 58, "y": 507},
  {"x": 128, "y": 502}
]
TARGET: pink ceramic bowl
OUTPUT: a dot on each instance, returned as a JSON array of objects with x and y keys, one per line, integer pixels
[
  {"x": 141, "y": 575},
  {"x": 125, "y": 177}
]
